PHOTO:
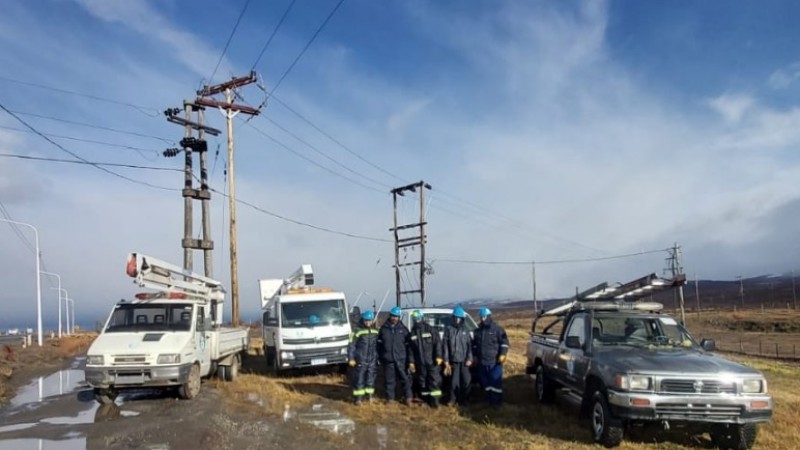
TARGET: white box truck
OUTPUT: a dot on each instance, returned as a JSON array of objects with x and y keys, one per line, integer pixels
[
  {"x": 170, "y": 338},
  {"x": 303, "y": 326}
]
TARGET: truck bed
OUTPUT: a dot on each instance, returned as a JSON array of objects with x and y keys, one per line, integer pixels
[{"x": 230, "y": 341}]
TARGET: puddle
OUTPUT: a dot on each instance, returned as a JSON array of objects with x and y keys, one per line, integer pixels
[
  {"x": 323, "y": 417},
  {"x": 15, "y": 427},
  {"x": 59, "y": 383},
  {"x": 43, "y": 444}
]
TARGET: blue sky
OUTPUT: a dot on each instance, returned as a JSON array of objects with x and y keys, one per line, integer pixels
[{"x": 580, "y": 129}]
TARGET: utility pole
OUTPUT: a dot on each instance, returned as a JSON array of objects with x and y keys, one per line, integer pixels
[
  {"x": 741, "y": 289},
  {"x": 676, "y": 269},
  {"x": 794, "y": 292},
  {"x": 697, "y": 293},
  {"x": 533, "y": 276},
  {"x": 230, "y": 110},
  {"x": 191, "y": 145},
  {"x": 410, "y": 241}
]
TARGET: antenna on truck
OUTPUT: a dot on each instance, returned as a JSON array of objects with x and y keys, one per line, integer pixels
[{"x": 156, "y": 274}]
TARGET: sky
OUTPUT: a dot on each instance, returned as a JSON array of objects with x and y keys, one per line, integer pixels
[{"x": 548, "y": 131}]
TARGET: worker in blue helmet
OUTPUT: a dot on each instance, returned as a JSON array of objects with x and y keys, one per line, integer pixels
[
  {"x": 458, "y": 358},
  {"x": 393, "y": 353},
  {"x": 425, "y": 357},
  {"x": 363, "y": 357},
  {"x": 491, "y": 348}
]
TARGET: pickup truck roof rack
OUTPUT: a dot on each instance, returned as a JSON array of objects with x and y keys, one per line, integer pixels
[{"x": 173, "y": 280}]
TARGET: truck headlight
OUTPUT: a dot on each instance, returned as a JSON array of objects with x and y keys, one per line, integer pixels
[
  {"x": 169, "y": 358},
  {"x": 343, "y": 351},
  {"x": 287, "y": 355},
  {"x": 94, "y": 360},
  {"x": 633, "y": 382},
  {"x": 754, "y": 386}
]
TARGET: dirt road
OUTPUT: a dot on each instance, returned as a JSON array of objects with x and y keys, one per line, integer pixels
[{"x": 58, "y": 411}]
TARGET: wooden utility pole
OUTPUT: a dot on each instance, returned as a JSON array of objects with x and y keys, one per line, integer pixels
[
  {"x": 410, "y": 241},
  {"x": 230, "y": 110}
]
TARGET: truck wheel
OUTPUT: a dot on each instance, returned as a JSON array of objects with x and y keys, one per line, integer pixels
[
  {"x": 233, "y": 370},
  {"x": 545, "y": 388},
  {"x": 190, "y": 390},
  {"x": 222, "y": 372},
  {"x": 105, "y": 396},
  {"x": 734, "y": 436},
  {"x": 605, "y": 429}
]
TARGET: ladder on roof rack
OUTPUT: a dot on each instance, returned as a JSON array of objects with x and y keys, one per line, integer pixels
[{"x": 156, "y": 274}]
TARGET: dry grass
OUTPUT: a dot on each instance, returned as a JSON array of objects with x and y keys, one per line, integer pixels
[{"x": 520, "y": 423}]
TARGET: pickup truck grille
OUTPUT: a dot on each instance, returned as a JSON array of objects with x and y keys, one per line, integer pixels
[
  {"x": 316, "y": 341},
  {"x": 674, "y": 386},
  {"x": 121, "y": 360},
  {"x": 316, "y": 353},
  {"x": 698, "y": 410}
]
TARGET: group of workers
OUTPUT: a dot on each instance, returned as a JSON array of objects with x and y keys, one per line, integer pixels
[{"x": 419, "y": 358}]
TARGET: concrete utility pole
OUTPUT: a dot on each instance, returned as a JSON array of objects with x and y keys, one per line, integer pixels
[
  {"x": 230, "y": 110},
  {"x": 741, "y": 289},
  {"x": 794, "y": 292},
  {"x": 676, "y": 269},
  {"x": 533, "y": 277},
  {"x": 410, "y": 241},
  {"x": 697, "y": 293},
  {"x": 190, "y": 145}
]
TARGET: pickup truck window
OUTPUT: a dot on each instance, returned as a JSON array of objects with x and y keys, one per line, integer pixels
[
  {"x": 577, "y": 328},
  {"x": 313, "y": 313},
  {"x": 640, "y": 331},
  {"x": 153, "y": 317}
]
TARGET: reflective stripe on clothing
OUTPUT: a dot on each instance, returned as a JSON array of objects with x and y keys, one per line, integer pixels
[
  {"x": 493, "y": 389},
  {"x": 359, "y": 392},
  {"x": 369, "y": 391},
  {"x": 436, "y": 393}
]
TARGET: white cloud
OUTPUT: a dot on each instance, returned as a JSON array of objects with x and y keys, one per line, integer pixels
[
  {"x": 732, "y": 107},
  {"x": 784, "y": 77}
]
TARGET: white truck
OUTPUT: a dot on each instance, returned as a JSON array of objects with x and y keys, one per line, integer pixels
[
  {"x": 166, "y": 339},
  {"x": 303, "y": 326}
]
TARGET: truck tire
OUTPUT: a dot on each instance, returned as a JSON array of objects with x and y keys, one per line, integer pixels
[
  {"x": 232, "y": 371},
  {"x": 221, "y": 372},
  {"x": 545, "y": 387},
  {"x": 606, "y": 430},
  {"x": 191, "y": 388},
  {"x": 734, "y": 436},
  {"x": 105, "y": 396}
]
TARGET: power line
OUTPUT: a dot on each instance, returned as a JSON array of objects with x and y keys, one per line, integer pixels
[
  {"x": 90, "y": 141},
  {"x": 110, "y": 172},
  {"x": 230, "y": 37},
  {"x": 302, "y": 156},
  {"x": 310, "y": 41},
  {"x": 557, "y": 261},
  {"x": 70, "y": 161},
  {"x": 16, "y": 229},
  {"x": 298, "y": 222},
  {"x": 140, "y": 108},
  {"x": 274, "y": 31},
  {"x": 88, "y": 125}
]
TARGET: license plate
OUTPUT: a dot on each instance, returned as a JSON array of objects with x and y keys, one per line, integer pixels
[
  {"x": 130, "y": 379},
  {"x": 319, "y": 361}
]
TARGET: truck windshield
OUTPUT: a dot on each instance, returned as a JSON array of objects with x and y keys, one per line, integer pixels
[
  {"x": 150, "y": 317},
  {"x": 640, "y": 331},
  {"x": 313, "y": 313}
]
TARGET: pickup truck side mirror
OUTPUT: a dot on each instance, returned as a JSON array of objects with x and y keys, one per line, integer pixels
[
  {"x": 708, "y": 345},
  {"x": 573, "y": 342}
]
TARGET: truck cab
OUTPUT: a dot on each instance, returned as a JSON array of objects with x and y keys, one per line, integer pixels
[{"x": 303, "y": 326}]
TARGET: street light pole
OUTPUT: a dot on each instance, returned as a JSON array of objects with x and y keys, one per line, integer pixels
[
  {"x": 59, "y": 298},
  {"x": 66, "y": 306},
  {"x": 38, "y": 278},
  {"x": 72, "y": 329}
]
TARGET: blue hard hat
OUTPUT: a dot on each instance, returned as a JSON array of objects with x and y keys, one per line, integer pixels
[
  {"x": 313, "y": 319},
  {"x": 485, "y": 312},
  {"x": 368, "y": 315},
  {"x": 417, "y": 315},
  {"x": 396, "y": 312},
  {"x": 459, "y": 312}
]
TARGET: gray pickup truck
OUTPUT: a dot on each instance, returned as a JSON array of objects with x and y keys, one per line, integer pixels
[{"x": 627, "y": 363}]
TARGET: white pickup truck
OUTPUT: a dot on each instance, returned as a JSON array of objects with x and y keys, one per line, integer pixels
[{"x": 166, "y": 339}]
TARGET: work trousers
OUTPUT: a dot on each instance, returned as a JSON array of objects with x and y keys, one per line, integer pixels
[
  {"x": 491, "y": 378},
  {"x": 460, "y": 383},
  {"x": 393, "y": 371}
]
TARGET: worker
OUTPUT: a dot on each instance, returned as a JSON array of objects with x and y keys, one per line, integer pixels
[
  {"x": 393, "y": 352},
  {"x": 425, "y": 358},
  {"x": 363, "y": 357},
  {"x": 491, "y": 348},
  {"x": 458, "y": 358}
]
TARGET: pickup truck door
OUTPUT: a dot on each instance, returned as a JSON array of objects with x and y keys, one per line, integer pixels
[
  {"x": 202, "y": 341},
  {"x": 572, "y": 362}
]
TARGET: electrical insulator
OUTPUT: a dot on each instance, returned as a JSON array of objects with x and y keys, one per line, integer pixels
[{"x": 172, "y": 152}]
